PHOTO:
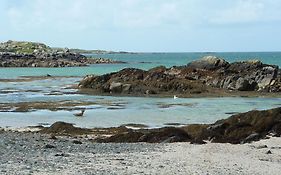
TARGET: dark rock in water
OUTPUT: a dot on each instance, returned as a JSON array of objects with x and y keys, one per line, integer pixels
[
  {"x": 201, "y": 76},
  {"x": 136, "y": 81},
  {"x": 62, "y": 128}
]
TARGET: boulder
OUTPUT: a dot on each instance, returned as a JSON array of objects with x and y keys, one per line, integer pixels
[
  {"x": 243, "y": 84},
  {"x": 63, "y": 128},
  {"x": 209, "y": 63},
  {"x": 115, "y": 87},
  {"x": 244, "y": 127}
]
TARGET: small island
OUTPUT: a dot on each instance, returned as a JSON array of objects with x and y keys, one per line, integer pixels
[{"x": 31, "y": 54}]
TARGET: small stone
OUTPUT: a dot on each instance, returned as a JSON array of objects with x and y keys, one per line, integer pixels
[
  {"x": 53, "y": 137},
  {"x": 268, "y": 152},
  {"x": 76, "y": 142},
  {"x": 49, "y": 146},
  {"x": 61, "y": 155}
]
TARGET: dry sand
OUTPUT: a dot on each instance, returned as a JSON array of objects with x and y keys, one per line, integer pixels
[{"x": 26, "y": 153}]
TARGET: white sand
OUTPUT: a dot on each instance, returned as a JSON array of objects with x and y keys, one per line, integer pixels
[
  {"x": 25, "y": 154},
  {"x": 185, "y": 158}
]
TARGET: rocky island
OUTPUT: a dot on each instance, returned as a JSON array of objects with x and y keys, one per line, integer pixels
[
  {"x": 209, "y": 75},
  {"x": 30, "y": 54}
]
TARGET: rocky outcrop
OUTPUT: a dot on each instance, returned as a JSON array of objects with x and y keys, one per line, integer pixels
[
  {"x": 162, "y": 135},
  {"x": 136, "y": 81},
  {"x": 247, "y": 76},
  {"x": 29, "y": 54},
  {"x": 62, "y": 128},
  {"x": 201, "y": 76},
  {"x": 209, "y": 63},
  {"x": 240, "y": 128}
]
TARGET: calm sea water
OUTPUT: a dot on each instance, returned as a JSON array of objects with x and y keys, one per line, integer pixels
[
  {"x": 141, "y": 60},
  {"x": 144, "y": 110}
]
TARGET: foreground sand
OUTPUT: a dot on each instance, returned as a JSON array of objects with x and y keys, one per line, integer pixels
[{"x": 31, "y": 153}]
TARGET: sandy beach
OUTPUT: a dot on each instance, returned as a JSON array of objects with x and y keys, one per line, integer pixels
[{"x": 32, "y": 153}]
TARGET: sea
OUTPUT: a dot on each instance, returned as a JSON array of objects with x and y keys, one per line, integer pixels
[{"x": 110, "y": 111}]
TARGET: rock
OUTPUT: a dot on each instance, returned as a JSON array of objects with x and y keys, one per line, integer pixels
[
  {"x": 252, "y": 137},
  {"x": 244, "y": 85},
  {"x": 162, "y": 135},
  {"x": 266, "y": 76},
  {"x": 201, "y": 76},
  {"x": 62, "y": 155},
  {"x": 48, "y": 146},
  {"x": 76, "y": 142},
  {"x": 30, "y": 54},
  {"x": 62, "y": 128},
  {"x": 208, "y": 62},
  {"x": 268, "y": 152},
  {"x": 276, "y": 129},
  {"x": 243, "y": 127},
  {"x": 53, "y": 137},
  {"x": 115, "y": 87}
]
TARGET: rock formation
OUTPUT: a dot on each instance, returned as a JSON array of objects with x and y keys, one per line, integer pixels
[
  {"x": 29, "y": 54},
  {"x": 239, "y": 128},
  {"x": 199, "y": 76}
]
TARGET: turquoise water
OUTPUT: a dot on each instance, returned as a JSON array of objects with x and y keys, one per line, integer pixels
[
  {"x": 154, "y": 112},
  {"x": 141, "y": 60},
  {"x": 139, "y": 110}
]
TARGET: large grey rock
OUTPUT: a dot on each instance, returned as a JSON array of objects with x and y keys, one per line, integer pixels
[
  {"x": 115, "y": 87},
  {"x": 265, "y": 76},
  {"x": 243, "y": 84},
  {"x": 208, "y": 62}
]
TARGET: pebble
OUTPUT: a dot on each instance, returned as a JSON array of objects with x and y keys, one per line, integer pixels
[{"x": 49, "y": 146}]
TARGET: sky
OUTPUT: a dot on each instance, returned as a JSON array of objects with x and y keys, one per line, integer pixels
[{"x": 145, "y": 25}]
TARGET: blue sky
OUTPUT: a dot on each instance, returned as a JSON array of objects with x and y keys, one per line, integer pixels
[{"x": 145, "y": 25}]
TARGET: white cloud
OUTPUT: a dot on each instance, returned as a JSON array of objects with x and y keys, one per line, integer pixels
[
  {"x": 147, "y": 22},
  {"x": 247, "y": 11}
]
